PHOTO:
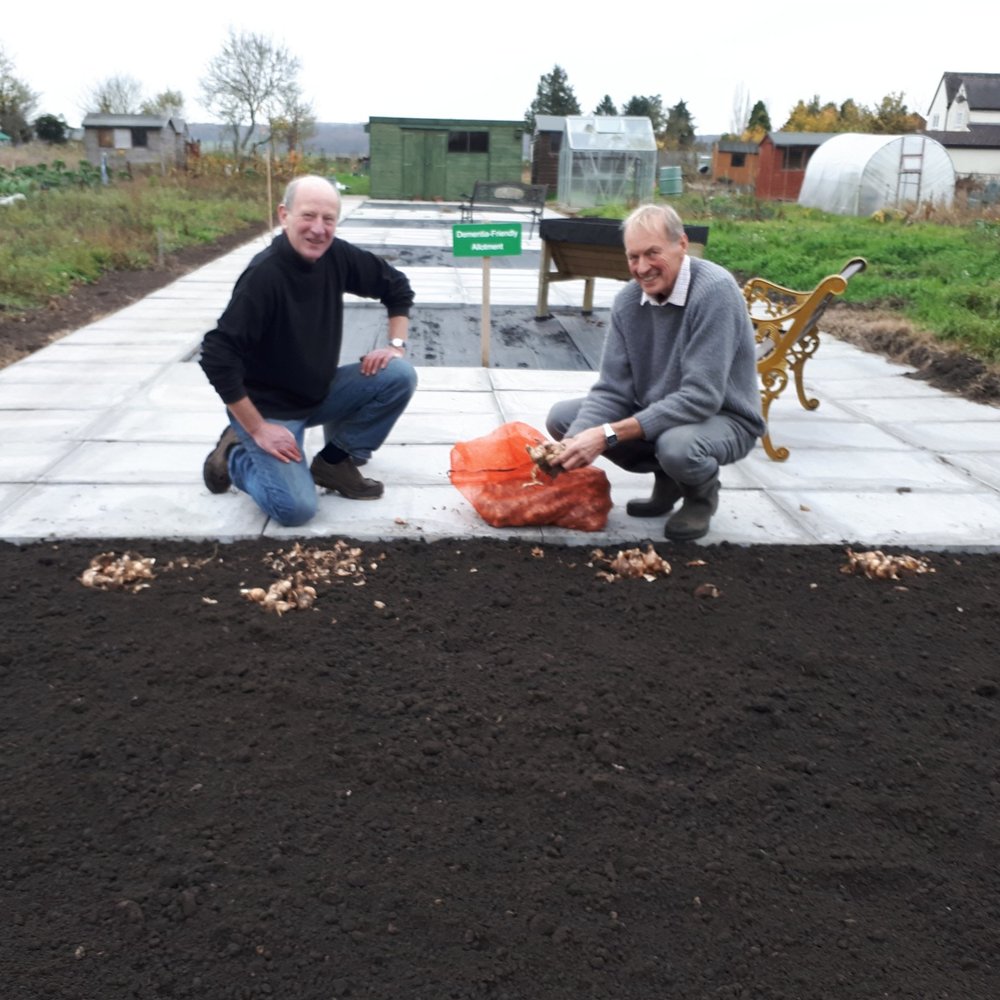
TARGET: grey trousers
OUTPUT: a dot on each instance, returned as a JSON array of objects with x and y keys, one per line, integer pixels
[{"x": 690, "y": 454}]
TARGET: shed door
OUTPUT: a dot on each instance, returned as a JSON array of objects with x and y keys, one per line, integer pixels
[{"x": 424, "y": 155}]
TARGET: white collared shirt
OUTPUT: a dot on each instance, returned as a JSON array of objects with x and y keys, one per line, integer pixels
[{"x": 679, "y": 293}]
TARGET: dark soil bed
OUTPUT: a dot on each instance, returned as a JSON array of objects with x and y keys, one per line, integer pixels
[{"x": 488, "y": 773}]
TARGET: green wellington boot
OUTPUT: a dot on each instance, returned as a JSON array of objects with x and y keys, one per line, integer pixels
[
  {"x": 695, "y": 515},
  {"x": 666, "y": 492}
]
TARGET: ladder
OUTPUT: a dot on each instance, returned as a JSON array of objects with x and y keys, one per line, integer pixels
[{"x": 911, "y": 169}]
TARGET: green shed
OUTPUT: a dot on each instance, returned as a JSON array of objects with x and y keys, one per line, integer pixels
[{"x": 440, "y": 158}]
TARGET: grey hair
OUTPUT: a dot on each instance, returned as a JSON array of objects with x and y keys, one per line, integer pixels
[
  {"x": 661, "y": 218},
  {"x": 289, "y": 195}
]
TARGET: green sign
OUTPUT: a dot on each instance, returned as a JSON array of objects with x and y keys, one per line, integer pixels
[{"x": 486, "y": 239}]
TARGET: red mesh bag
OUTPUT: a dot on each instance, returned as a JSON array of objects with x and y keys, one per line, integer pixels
[{"x": 494, "y": 473}]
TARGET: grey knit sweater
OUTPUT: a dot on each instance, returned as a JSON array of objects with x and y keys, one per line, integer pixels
[{"x": 671, "y": 365}]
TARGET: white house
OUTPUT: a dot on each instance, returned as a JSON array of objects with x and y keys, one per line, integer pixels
[{"x": 964, "y": 117}]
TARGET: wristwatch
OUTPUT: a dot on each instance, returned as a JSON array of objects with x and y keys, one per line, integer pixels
[
  {"x": 610, "y": 437},
  {"x": 398, "y": 343}
]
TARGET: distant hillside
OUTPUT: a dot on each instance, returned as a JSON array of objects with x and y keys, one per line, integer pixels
[{"x": 331, "y": 139}]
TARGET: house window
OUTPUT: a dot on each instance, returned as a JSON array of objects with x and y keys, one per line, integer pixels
[
  {"x": 106, "y": 138},
  {"x": 737, "y": 159},
  {"x": 935, "y": 121},
  {"x": 468, "y": 142},
  {"x": 140, "y": 137}
]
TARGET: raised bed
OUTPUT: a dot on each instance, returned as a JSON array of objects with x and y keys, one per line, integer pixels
[{"x": 585, "y": 249}]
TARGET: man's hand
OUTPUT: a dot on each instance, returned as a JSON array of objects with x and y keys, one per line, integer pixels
[
  {"x": 277, "y": 441},
  {"x": 374, "y": 361},
  {"x": 581, "y": 449}
]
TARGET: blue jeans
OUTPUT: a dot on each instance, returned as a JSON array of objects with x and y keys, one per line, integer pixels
[
  {"x": 689, "y": 454},
  {"x": 357, "y": 415}
]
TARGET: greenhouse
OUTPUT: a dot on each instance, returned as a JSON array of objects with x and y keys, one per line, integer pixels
[
  {"x": 858, "y": 174},
  {"x": 606, "y": 159}
]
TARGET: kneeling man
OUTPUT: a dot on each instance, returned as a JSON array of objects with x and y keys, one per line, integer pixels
[
  {"x": 274, "y": 359},
  {"x": 677, "y": 391}
]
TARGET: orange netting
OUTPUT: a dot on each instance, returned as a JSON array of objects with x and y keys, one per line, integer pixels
[{"x": 507, "y": 489}]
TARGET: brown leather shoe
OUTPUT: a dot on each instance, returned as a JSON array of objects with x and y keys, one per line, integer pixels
[
  {"x": 215, "y": 471},
  {"x": 344, "y": 478},
  {"x": 666, "y": 492}
]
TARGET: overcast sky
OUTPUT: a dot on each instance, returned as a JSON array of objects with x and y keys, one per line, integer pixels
[{"x": 483, "y": 60}]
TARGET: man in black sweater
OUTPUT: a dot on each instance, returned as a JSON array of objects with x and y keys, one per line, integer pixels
[{"x": 274, "y": 359}]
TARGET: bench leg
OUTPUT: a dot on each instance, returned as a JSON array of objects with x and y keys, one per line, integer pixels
[
  {"x": 588, "y": 296},
  {"x": 774, "y": 381},
  {"x": 801, "y": 352}
]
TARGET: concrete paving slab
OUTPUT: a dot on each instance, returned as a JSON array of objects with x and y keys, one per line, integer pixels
[
  {"x": 921, "y": 518},
  {"x": 125, "y": 511},
  {"x": 64, "y": 375},
  {"x": 153, "y": 350},
  {"x": 806, "y": 431},
  {"x": 983, "y": 467},
  {"x": 877, "y": 469},
  {"x": 29, "y": 461},
  {"x": 18, "y": 395},
  {"x": 431, "y": 513},
  {"x": 858, "y": 365},
  {"x": 443, "y": 427},
  {"x": 949, "y": 436},
  {"x": 41, "y": 425},
  {"x": 117, "y": 462},
  {"x": 885, "y": 460},
  {"x": 166, "y": 424}
]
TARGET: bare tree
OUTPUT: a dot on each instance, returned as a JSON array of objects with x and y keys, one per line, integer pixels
[
  {"x": 295, "y": 121},
  {"x": 17, "y": 101},
  {"x": 246, "y": 84},
  {"x": 741, "y": 111},
  {"x": 169, "y": 103},
  {"x": 115, "y": 95}
]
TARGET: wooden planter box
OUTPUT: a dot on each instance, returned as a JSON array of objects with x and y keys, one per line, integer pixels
[{"x": 585, "y": 249}]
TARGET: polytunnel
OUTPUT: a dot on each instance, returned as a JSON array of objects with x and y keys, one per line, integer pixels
[{"x": 858, "y": 174}]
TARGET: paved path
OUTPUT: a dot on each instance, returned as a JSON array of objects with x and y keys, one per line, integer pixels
[{"x": 104, "y": 433}]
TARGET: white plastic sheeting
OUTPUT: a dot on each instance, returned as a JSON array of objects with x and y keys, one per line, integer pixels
[{"x": 858, "y": 174}]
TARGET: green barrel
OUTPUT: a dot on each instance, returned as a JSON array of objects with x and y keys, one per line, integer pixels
[{"x": 671, "y": 181}]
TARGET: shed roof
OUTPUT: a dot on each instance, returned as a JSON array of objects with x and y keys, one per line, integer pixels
[
  {"x": 100, "y": 120},
  {"x": 800, "y": 138},
  {"x": 594, "y": 132},
  {"x": 466, "y": 123},
  {"x": 550, "y": 123},
  {"x": 738, "y": 146}
]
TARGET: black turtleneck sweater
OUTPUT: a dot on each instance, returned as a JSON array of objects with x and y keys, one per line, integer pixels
[{"x": 278, "y": 340}]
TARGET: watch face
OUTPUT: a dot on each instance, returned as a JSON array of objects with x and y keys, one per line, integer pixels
[{"x": 397, "y": 342}]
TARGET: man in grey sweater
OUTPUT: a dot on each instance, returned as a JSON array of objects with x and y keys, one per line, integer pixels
[{"x": 677, "y": 392}]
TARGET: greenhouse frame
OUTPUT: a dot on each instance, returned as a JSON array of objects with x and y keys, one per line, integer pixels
[{"x": 606, "y": 159}]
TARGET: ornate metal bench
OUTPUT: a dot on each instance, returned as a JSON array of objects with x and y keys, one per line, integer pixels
[
  {"x": 786, "y": 325},
  {"x": 507, "y": 193}
]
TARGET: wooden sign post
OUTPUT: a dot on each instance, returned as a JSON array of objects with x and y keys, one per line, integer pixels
[{"x": 486, "y": 240}]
